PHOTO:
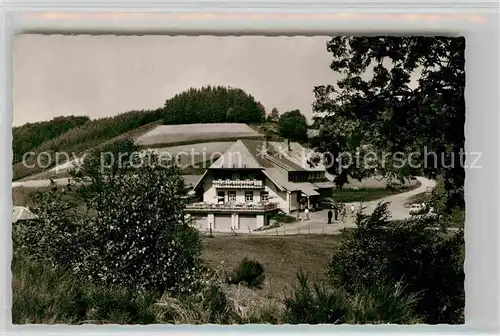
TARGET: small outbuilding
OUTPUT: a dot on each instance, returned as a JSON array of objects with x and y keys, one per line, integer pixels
[{"x": 21, "y": 213}]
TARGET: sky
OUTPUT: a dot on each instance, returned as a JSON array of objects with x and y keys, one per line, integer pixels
[{"x": 102, "y": 76}]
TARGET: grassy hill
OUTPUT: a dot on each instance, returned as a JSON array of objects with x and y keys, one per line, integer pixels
[
  {"x": 75, "y": 135},
  {"x": 92, "y": 134},
  {"x": 31, "y": 135}
]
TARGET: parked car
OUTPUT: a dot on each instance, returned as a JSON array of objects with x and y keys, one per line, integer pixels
[
  {"x": 419, "y": 209},
  {"x": 416, "y": 208}
]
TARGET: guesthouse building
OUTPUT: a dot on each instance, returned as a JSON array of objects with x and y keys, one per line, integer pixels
[{"x": 254, "y": 179}]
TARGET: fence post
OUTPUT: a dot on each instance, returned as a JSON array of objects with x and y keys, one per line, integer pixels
[
  {"x": 277, "y": 232},
  {"x": 309, "y": 228},
  {"x": 298, "y": 230},
  {"x": 211, "y": 230},
  {"x": 284, "y": 229},
  {"x": 249, "y": 231}
]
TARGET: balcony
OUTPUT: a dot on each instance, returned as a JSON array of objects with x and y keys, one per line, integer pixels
[
  {"x": 231, "y": 207},
  {"x": 242, "y": 184}
]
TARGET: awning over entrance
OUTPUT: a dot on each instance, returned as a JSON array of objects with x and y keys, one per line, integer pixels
[
  {"x": 307, "y": 189},
  {"x": 324, "y": 185},
  {"x": 309, "y": 192}
]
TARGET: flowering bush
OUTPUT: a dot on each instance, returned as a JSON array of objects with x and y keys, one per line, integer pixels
[
  {"x": 131, "y": 231},
  {"x": 58, "y": 235}
]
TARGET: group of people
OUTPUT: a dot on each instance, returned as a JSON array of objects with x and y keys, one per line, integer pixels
[
  {"x": 339, "y": 209},
  {"x": 335, "y": 211}
]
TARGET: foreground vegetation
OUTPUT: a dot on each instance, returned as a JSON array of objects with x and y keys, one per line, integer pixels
[
  {"x": 118, "y": 250},
  {"x": 59, "y": 297}
]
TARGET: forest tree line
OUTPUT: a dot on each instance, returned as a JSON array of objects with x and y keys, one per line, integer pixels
[
  {"x": 76, "y": 134},
  {"x": 213, "y": 104},
  {"x": 32, "y": 135}
]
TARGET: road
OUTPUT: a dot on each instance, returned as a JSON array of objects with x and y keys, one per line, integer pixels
[
  {"x": 39, "y": 183},
  {"x": 318, "y": 220}
]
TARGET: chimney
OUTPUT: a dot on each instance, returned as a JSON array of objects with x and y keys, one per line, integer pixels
[{"x": 288, "y": 145}]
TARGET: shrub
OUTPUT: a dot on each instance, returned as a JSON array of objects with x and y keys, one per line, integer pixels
[
  {"x": 427, "y": 261},
  {"x": 250, "y": 272},
  {"x": 314, "y": 305},
  {"x": 58, "y": 236},
  {"x": 380, "y": 303},
  {"x": 216, "y": 304},
  {"x": 282, "y": 217}
]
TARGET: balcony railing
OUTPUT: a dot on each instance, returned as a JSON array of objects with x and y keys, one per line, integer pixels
[
  {"x": 247, "y": 184},
  {"x": 231, "y": 207}
]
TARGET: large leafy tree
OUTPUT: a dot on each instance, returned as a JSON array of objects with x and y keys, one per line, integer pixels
[
  {"x": 293, "y": 125},
  {"x": 274, "y": 115},
  {"x": 397, "y": 94}
]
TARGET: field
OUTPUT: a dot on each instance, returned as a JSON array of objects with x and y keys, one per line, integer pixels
[
  {"x": 195, "y": 153},
  {"x": 22, "y": 173},
  {"x": 204, "y": 140},
  {"x": 176, "y": 135},
  {"x": 188, "y": 155},
  {"x": 282, "y": 257},
  {"x": 369, "y": 194}
]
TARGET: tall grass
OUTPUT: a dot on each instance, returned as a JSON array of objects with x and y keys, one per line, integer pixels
[
  {"x": 53, "y": 295},
  {"x": 44, "y": 295},
  {"x": 317, "y": 304}
]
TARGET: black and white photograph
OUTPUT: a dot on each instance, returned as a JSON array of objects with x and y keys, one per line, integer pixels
[{"x": 238, "y": 179}]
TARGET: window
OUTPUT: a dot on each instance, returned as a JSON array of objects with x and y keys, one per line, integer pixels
[
  {"x": 221, "y": 197},
  {"x": 232, "y": 196},
  {"x": 249, "y": 196},
  {"x": 264, "y": 196}
]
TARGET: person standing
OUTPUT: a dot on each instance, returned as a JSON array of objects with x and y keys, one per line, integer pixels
[
  {"x": 306, "y": 212},
  {"x": 352, "y": 209},
  {"x": 330, "y": 215},
  {"x": 336, "y": 210}
]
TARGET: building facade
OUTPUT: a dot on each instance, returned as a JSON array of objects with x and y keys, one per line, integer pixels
[{"x": 254, "y": 179}]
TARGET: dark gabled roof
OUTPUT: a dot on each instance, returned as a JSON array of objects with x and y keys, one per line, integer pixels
[
  {"x": 237, "y": 156},
  {"x": 273, "y": 156},
  {"x": 255, "y": 148},
  {"x": 273, "y": 162}
]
